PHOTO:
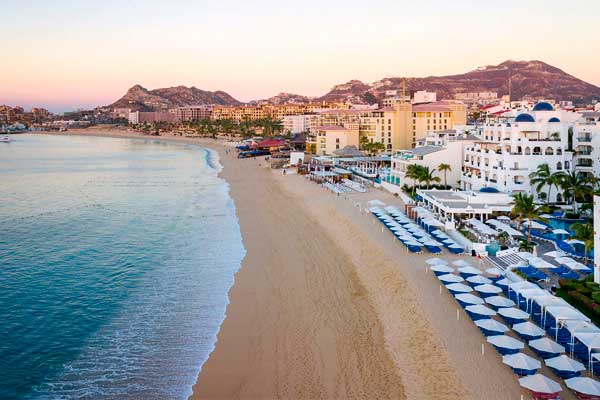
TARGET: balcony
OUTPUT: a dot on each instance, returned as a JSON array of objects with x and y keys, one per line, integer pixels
[{"x": 584, "y": 139}]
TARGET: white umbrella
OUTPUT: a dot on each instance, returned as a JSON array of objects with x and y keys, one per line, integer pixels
[
  {"x": 478, "y": 280},
  {"x": 546, "y": 345},
  {"x": 514, "y": 313},
  {"x": 461, "y": 263},
  {"x": 494, "y": 271},
  {"x": 505, "y": 342},
  {"x": 491, "y": 325},
  {"x": 555, "y": 254},
  {"x": 574, "y": 241},
  {"x": 440, "y": 268},
  {"x": 503, "y": 218},
  {"x": 540, "y": 384},
  {"x": 564, "y": 363},
  {"x": 459, "y": 288},
  {"x": 480, "y": 309},
  {"x": 546, "y": 216},
  {"x": 436, "y": 261},
  {"x": 469, "y": 270},
  {"x": 488, "y": 289},
  {"x": 499, "y": 301},
  {"x": 528, "y": 329},
  {"x": 560, "y": 232},
  {"x": 450, "y": 278},
  {"x": 586, "y": 386},
  {"x": 432, "y": 243},
  {"x": 521, "y": 361},
  {"x": 468, "y": 298},
  {"x": 534, "y": 225}
]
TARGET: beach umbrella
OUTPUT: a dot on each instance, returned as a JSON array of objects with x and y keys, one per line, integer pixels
[
  {"x": 565, "y": 367},
  {"x": 574, "y": 241},
  {"x": 487, "y": 290},
  {"x": 503, "y": 218},
  {"x": 461, "y": 263},
  {"x": 468, "y": 271},
  {"x": 441, "y": 269},
  {"x": 546, "y": 216},
  {"x": 513, "y": 315},
  {"x": 505, "y": 344},
  {"x": 555, "y": 254},
  {"x": 528, "y": 330},
  {"x": 467, "y": 299},
  {"x": 584, "y": 386},
  {"x": 450, "y": 278},
  {"x": 494, "y": 272},
  {"x": 479, "y": 311},
  {"x": 522, "y": 364},
  {"x": 503, "y": 283},
  {"x": 456, "y": 288},
  {"x": 541, "y": 386},
  {"x": 490, "y": 327},
  {"x": 499, "y": 301},
  {"x": 432, "y": 243},
  {"x": 546, "y": 348},
  {"x": 478, "y": 280},
  {"x": 448, "y": 241},
  {"x": 560, "y": 232},
  {"x": 436, "y": 261},
  {"x": 534, "y": 225}
]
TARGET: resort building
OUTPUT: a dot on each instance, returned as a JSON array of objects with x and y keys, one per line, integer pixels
[
  {"x": 193, "y": 113},
  {"x": 139, "y": 117},
  {"x": 299, "y": 123},
  {"x": 423, "y": 96},
  {"x": 327, "y": 139},
  {"x": 512, "y": 148}
]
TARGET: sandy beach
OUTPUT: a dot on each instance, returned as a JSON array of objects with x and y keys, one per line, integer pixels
[{"x": 327, "y": 305}]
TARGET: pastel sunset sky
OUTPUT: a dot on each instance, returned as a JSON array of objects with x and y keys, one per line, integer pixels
[{"x": 68, "y": 54}]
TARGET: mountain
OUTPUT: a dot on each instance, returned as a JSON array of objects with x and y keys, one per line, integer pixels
[
  {"x": 142, "y": 99},
  {"x": 528, "y": 78},
  {"x": 285, "y": 98}
]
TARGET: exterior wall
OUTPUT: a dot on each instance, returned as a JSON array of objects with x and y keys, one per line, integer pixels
[
  {"x": 326, "y": 141},
  {"x": 193, "y": 113},
  {"x": 299, "y": 123},
  {"x": 597, "y": 239}
]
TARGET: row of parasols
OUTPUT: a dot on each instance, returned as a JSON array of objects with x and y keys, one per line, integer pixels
[
  {"x": 412, "y": 235},
  {"x": 497, "y": 296}
]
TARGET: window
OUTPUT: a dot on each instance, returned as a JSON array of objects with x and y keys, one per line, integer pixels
[{"x": 558, "y": 166}]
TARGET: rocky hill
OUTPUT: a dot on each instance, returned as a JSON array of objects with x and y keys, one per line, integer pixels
[
  {"x": 142, "y": 99},
  {"x": 529, "y": 78},
  {"x": 285, "y": 98}
]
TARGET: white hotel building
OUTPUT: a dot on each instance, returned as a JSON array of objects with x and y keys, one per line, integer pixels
[{"x": 513, "y": 148}]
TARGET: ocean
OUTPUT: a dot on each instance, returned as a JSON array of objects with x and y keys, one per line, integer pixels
[{"x": 116, "y": 257}]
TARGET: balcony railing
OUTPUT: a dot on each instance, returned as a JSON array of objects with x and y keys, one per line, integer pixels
[{"x": 584, "y": 139}]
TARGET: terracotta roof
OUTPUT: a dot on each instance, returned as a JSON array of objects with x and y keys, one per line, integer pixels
[
  {"x": 331, "y": 128},
  {"x": 343, "y": 111},
  {"x": 430, "y": 107}
]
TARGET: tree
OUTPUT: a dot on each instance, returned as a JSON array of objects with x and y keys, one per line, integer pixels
[
  {"x": 524, "y": 207},
  {"x": 585, "y": 233},
  {"x": 426, "y": 175},
  {"x": 413, "y": 172},
  {"x": 542, "y": 176},
  {"x": 575, "y": 187},
  {"x": 445, "y": 168}
]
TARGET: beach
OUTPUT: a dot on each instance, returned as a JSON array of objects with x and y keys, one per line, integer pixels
[{"x": 327, "y": 305}]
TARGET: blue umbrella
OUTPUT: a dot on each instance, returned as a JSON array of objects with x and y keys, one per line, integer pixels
[
  {"x": 490, "y": 327},
  {"x": 475, "y": 280},
  {"x": 513, "y": 315},
  {"x": 505, "y": 344},
  {"x": 456, "y": 288},
  {"x": 450, "y": 278},
  {"x": 565, "y": 367},
  {"x": 441, "y": 269},
  {"x": 528, "y": 330},
  {"x": 467, "y": 299},
  {"x": 522, "y": 364},
  {"x": 479, "y": 311},
  {"x": 487, "y": 290},
  {"x": 546, "y": 348},
  {"x": 499, "y": 301}
]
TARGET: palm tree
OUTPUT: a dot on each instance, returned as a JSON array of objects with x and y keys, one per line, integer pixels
[
  {"x": 585, "y": 233},
  {"x": 542, "y": 176},
  {"x": 445, "y": 168},
  {"x": 524, "y": 207},
  {"x": 413, "y": 172},
  {"x": 575, "y": 187},
  {"x": 427, "y": 176}
]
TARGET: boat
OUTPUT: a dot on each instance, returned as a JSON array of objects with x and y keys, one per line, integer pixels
[{"x": 4, "y": 139}]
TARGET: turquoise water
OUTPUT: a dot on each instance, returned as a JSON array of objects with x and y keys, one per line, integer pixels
[{"x": 116, "y": 257}]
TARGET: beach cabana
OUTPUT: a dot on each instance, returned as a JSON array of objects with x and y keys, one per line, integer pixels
[
  {"x": 450, "y": 278},
  {"x": 528, "y": 330},
  {"x": 468, "y": 271},
  {"x": 566, "y": 334},
  {"x": 479, "y": 311},
  {"x": 457, "y": 288},
  {"x": 487, "y": 290},
  {"x": 513, "y": 315},
  {"x": 441, "y": 269},
  {"x": 515, "y": 287},
  {"x": 467, "y": 299},
  {"x": 503, "y": 284},
  {"x": 498, "y": 302},
  {"x": 490, "y": 327},
  {"x": 540, "y": 386},
  {"x": 585, "y": 388},
  {"x": 546, "y": 348},
  {"x": 586, "y": 342},
  {"x": 522, "y": 364},
  {"x": 554, "y": 315},
  {"x": 565, "y": 367},
  {"x": 475, "y": 280},
  {"x": 436, "y": 261},
  {"x": 505, "y": 344}
]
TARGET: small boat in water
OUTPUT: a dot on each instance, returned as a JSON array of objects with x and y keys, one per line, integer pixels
[{"x": 4, "y": 139}]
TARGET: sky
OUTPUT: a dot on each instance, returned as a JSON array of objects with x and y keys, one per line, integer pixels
[{"x": 64, "y": 55}]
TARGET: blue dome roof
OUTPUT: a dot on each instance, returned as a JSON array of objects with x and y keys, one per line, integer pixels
[
  {"x": 543, "y": 106},
  {"x": 524, "y": 118},
  {"x": 488, "y": 190},
  {"x": 554, "y": 119}
]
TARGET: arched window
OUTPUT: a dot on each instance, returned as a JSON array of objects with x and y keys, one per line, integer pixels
[
  {"x": 389, "y": 146},
  {"x": 567, "y": 166},
  {"x": 549, "y": 151},
  {"x": 537, "y": 150},
  {"x": 559, "y": 152},
  {"x": 559, "y": 198},
  {"x": 559, "y": 166},
  {"x": 527, "y": 151}
]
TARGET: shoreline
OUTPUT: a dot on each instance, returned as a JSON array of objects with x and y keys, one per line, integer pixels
[{"x": 324, "y": 303}]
